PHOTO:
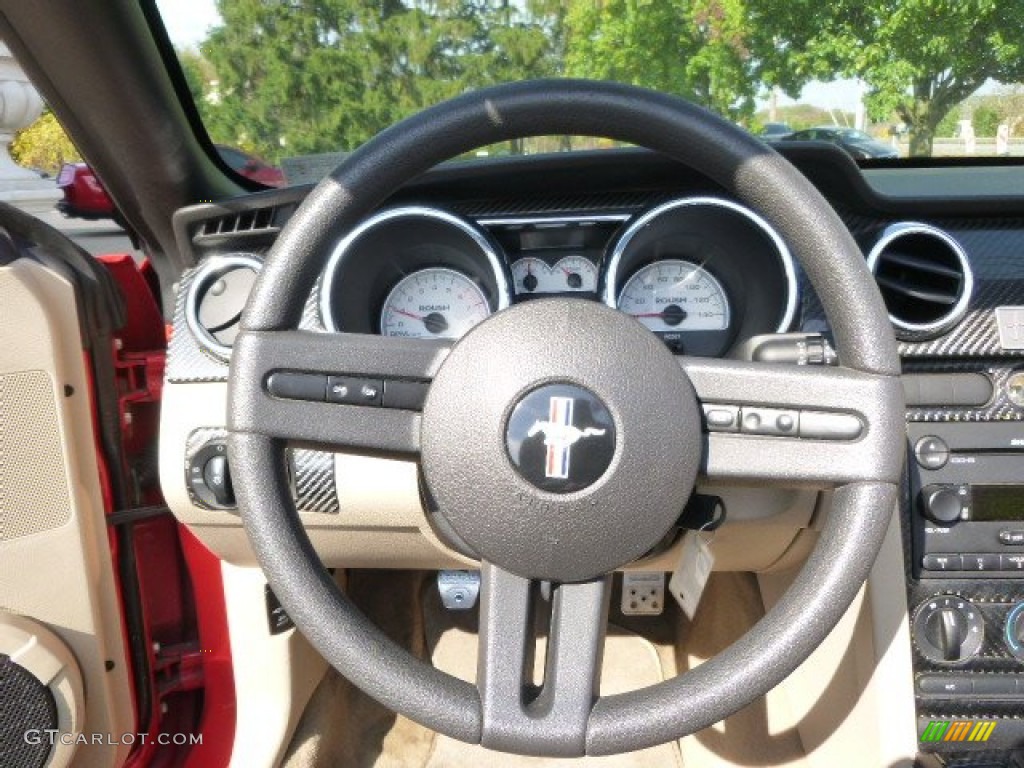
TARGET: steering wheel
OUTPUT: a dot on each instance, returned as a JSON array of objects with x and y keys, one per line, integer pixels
[{"x": 570, "y": 524}]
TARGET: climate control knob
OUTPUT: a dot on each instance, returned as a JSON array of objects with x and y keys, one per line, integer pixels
[
  {"x": 948, "y": 629},
  {"x": 942, "y": 503}
]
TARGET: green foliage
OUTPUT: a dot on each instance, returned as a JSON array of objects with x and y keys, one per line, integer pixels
[
  {"x": 306, "y": 76},
  {"x": 699, "y": 49},
  {"x": 920, "y": 58},
  {"x": 985, "y": 120},
  {"x": 44, "y": 145}
]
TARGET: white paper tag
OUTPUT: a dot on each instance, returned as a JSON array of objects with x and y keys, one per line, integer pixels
[{"x": 691, "y": 573}]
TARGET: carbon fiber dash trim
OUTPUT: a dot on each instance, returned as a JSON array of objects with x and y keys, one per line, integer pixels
[
  {"x": 999, "y": 409},
  {"x": 313, "y": 481},
  {"x": 186, "y": 360},
  {"x": 312, "y": 473}
]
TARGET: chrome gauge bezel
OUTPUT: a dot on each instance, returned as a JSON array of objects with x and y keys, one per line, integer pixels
[
  {"x": 211, "y": 269},
  {"x": 503, "y": 295},
  {"x": 707, "y": 275},
  {"x": 613, "y": 279}
]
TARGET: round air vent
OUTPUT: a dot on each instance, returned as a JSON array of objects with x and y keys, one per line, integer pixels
[
  {"x": 924, "y": 277},
  {"x": 216, "y": 298}
]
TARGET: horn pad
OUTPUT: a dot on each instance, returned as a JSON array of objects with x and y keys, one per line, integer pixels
[{"x": 560, "y": 440}]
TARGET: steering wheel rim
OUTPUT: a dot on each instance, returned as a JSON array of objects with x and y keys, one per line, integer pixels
[{"x": 575, "y": 721}]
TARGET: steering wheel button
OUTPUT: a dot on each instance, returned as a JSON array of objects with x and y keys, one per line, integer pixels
[
  {"x": 816, "y": 425},
  {"x": 785, "y": 422},
  {"x": 297, "y": 386},
  {"x": 351, "y": 391},
  {"x": 721, "y": 418},
  {"x": 407, "y": 395}
]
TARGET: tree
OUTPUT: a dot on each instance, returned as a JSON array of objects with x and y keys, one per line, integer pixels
[
  {"x": 920, "y": 58},
  {"x": 44, "y": 145},
  {"x": 698, "y": 49},
  {"x": 308, "y": 76}
]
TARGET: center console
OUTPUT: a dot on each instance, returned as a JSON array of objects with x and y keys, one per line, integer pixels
[{"x": 966, "y": 590}]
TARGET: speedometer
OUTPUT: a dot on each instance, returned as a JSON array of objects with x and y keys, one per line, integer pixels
[
  {"x": 674, "y": 295},
  {"x": 435, "y": 303}
]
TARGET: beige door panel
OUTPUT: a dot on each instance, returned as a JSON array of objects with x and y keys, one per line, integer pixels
[{"x": 55, "y": 559}]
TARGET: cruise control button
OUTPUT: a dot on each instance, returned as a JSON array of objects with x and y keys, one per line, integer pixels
[
  {"x": 941, "y": 563},
  {"x": 351, "y": 391},
  {"x": 818, "y": 425},
  {"x": 981, "y": 562},
  {"x": 298, "y": 386},
  {"x": 769, "y": 421},
  {"x": 945, "y": 685},
  {"x": 722, "y": 418},
  {"x": 1011, "y": 538},
  {"x": 931, "y": 452}
]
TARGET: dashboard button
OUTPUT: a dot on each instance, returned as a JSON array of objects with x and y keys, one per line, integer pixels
[
  {"x": 352, "y": 391},
  {"x": 945, "y": 685},
  {"x": 1011, "y": 562},
  {"x": 1011, "y": 538},
  {"x": 942, "y": 563},
  {"x": 931, "y": 452},
  {"x": 981, "y": 562},
  {"x": 298, "y": 386},
  {"x": 408, "y": 395},
  {"x": 818, "y": 425},
  {"x": 995, "y": 685}
]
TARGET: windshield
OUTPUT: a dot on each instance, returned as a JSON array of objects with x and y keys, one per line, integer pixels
[{"x": 295, "y": 84}]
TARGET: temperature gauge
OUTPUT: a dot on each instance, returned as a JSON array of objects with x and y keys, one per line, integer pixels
[
  {"x": 575, "y": 273},
  {"x": 531, "y": 275}
]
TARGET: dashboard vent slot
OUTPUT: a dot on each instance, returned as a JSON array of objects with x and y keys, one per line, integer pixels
[
  {"x": 924, "y": 277},
  {"x": 259, "y": 221}
]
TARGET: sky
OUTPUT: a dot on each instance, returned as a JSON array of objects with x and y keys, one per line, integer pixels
[{"x": 188, "y": 21}]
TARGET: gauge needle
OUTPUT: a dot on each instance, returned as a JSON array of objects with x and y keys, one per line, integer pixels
[{"x": 407, "y": 314}]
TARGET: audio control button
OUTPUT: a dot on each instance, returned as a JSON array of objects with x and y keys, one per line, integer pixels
[
  {"x": 980, "y": 562},
  {"x": 931, "y": 452},
  {"x": 942, "y": 563},
  {"x": 1011, "y": 538},
  {"x": 1011, "y": 562}
]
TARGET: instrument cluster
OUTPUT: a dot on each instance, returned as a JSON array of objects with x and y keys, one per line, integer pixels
[{"x": 700, "y": 272}]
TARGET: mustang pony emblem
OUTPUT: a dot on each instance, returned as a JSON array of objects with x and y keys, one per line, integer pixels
[{"x": 560, "y": 435}]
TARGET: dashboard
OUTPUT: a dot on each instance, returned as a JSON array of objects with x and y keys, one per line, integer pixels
[{"x": 709, "y": 277}]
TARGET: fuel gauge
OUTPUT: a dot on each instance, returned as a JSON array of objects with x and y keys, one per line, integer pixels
[{"x": 531, "y": 275}]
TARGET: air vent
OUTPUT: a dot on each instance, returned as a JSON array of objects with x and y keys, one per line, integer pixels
[
  {"x": 924, "y": 277},
  {"x": 259, "y": 221}
]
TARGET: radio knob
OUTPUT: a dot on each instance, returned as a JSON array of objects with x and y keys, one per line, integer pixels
[
  {"x": 942, "y": 503},
  {"x": 948, "y": 629}
]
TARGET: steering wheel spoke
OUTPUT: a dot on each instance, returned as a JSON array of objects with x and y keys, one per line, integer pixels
[
  {"x": 796, "y": 424},
  {"x": 334, "y": 391},
  {"x": 550, "y": 719}
]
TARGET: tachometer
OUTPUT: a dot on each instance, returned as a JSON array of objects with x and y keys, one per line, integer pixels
[
  {"x": 433, "y": 303},
  {"x": 675, "y": 295}
]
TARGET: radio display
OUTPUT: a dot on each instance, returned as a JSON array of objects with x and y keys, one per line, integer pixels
[{"x": 997, "y": 503}]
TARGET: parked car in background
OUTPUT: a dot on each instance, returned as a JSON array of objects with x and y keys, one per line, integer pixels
[
  {"x": 85, "y": 197},
  {"x": 856, "y": 143},
  {"x": 775, "y": 131}
]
